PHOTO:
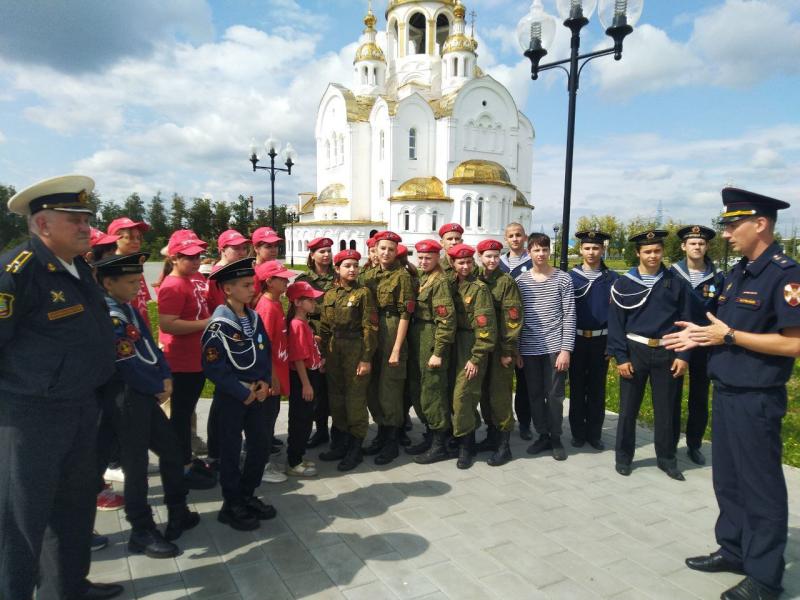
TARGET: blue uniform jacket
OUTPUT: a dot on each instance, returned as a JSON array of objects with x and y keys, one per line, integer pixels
[
  {"x": 647, "y": 312},
  {"x": 762, "y": 296},
  {"x": 56, "y": 340},
  {"x": 592, "y": 297},
  {"x": 707, "y": 291},
  {"x": 525, "y": 265},
  {"x": 140, "y": 362},
  {"x": 230, "y": 358}
]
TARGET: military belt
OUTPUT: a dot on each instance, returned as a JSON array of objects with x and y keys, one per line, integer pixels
[
  {"x": 590, "y": 333},
  {"x": 649, "y": 342}
]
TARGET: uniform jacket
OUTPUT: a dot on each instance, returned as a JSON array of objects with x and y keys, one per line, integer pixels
[
  {"x": 475, "y": 312},
  {"x": 649, "y": 312},
  {"x": 56, "y": 340},
  {"x": 230, "y": 358},
  {"x": 322, "y": 283},
  {"x": 525, "y": 265},
  {"x": 707, "y": 291},
  {"x": 140, "y": 362},
  {"x": 393, "y": 290},
  {"x": 349, "y": 312},
  {"x": 435, "y": 303},
  {"x": 592, "y": 298},
  {"x": 507, "y": 309},
  {"x": 762, "y": 296}
]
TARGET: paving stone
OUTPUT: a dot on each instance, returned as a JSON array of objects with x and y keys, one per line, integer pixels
[
  {"x": 510, "y": 586},
  {"x": 400, "y": 577},
  {"x": 376, "y": 590},
  {"x": 256, "y": 581},
  {"x": 456, "y": 583},
  {"x": 342, "y": 565}
]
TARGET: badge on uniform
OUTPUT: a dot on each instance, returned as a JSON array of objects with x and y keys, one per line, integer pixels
[
  {"x": 350, "y": 300},
  {"x": 481, "y": 320},
  {"x": 6, "y": 305},
  {"x": 791, "y": 293},
  {"x": 441, "y": 310},
  {"x": 57, "y": 296},
  {"x": 512, "y": 325},
  {"x": 468, "y": 299},
  {"x": 513, "y": 313},
  {"x": 133, "y": 333},
  {"x": 212, "y": 355},
  {"x": 373, "y": 317},
  {"x": 124, "y": 348},
  {"x": 51, "y": 267},
  {"x": 410, "y": 306}
]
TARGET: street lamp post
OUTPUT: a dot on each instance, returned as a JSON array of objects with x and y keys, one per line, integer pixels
[
  {"x": 536, "y": 31},
  {"x": 556, "y": 227},
  {"x": 273, "y": 149},
  {"x": 292, "y": 217}
]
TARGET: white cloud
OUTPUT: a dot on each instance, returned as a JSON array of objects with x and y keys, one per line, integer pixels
[
  {"x": 767, "y": 158},
  {"x": 2, "y": 137}
]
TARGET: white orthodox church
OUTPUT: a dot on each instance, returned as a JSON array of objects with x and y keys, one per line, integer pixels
[{"x": 422, "y": 138}]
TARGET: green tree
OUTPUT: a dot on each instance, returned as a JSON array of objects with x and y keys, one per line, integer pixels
[
  {"x": 607, "y": 224},
  {"x": 177, "y": 213},
  {"x": 159, "y": 232},
  {"x": 200, "y": 216},
  {"x": 13, "y": 228},
  {"x": 108, "y": 212},
  {"x": 221, "y": 218},
  {"x": 240, "y": 210},
  {"x": 133, "y": 207}
]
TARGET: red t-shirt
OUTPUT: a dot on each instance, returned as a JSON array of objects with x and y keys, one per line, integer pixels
[
  {"x": 141, "y": 300},
  {"x": 215, "y": 296},
  {"x": 303, "y": 345},
  {"x": 186, "y": 298},
  {"x": 271, "y": 313}
]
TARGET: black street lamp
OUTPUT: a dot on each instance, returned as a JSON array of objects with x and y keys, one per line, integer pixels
[
  {"x": 292, "y": 217},
  {"x": 273, "y": 149},
  {"x": 556, "y": 227},
  {"x": 536, "y": 31}
]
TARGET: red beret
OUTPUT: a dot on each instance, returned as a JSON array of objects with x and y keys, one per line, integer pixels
[
  {"x": 428, "y": 246},
  {"x": 390, "y": 236},
  {"x": 448, "y": 227},
  {"x": 371, "y": 242},
  {"x": 345, "y": 255},
  {"x": 461, "y": 251},
  {"x": 319, "y": 244},
  {"x": 401, "y": 250},
  {"x": 485, "y": 245}
]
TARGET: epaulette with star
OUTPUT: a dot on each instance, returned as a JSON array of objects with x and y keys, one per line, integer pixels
[
  {"x": 19, "y": 262},
  {"x": 783, "y": 261}
]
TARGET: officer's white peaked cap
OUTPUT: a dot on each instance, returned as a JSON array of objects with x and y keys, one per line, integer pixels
[{"x": 68, "y": 193}]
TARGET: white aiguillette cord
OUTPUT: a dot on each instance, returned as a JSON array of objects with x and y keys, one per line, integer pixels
[{"x": 615, "y": 294}]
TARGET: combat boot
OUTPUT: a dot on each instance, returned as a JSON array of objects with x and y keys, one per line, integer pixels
[
  {"x": 338, "y": 449},
  {"x": 320, "y": 436},
  {"x": 451, "y": 443},
  {"x": 354, "y": 455},
  {"x": 179, "y": 519},
  {"x": 237, "y": 516},
  {"x": 338, "y": 438},
  {"x": 390, "y": 449},
  {"x": 503, "y": 452},
  {"x": 423, "y": 446},
  {"x": 438, "y": 450},
  {"x": 489, "y": 443},
  {"x": 377, "y": 442},
  {"x": 150, "y": 542},
  {"x": 465, "y": 450}
]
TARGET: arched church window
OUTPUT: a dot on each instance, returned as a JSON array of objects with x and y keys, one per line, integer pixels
[
  {"x": 328, "y": 153},
  {"x": 352, "y": 244},
  {"x": 382, "y": 145},
  {"x": 342, "y": 245},
  {"x": 434, "y": 221},
  {"x": 341, "y": 149},
  {"x": 406, "y": 220},
  {"x": 467, "y": 212},
  {"x": 412, "y": 144},
  {"x": 442, "y": 31},
  {"x": 480, "y": 212},
  {"x": 417, "y": 34}
]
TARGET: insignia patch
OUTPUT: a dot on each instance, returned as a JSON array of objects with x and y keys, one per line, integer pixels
[
  {"x": 51, "y": 267},
  {"x": 6, "y": 305},
  {"x": 57, "y": 296},
  {"x": 212, "y": 355},
  {"x": 133, "y": 333},
  {"x": 468, "y": 299},
  {"x": 15, "y": 265},
  {"x": 441, "y": 310},
  {"x": 481, "y": 320},
  {"x": 124, "y": 348},
  {"x": 410, "y": 306},
  {"x": 512, "y": 325},
  {"x": 373, "y": 317},
  {"x": 54, "y": 315},
  {"x": 791, "y": 293},
  {"x": 483, "y": 334},
  {"x": 749, "y": 302},
  {"x": 513, "y": 313}
]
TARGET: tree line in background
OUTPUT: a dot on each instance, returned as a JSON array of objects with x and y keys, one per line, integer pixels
[{"x": 205, "y": 217}]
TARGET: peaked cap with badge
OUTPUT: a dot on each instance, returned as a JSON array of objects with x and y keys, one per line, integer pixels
[{"x": 67, "y": 193}]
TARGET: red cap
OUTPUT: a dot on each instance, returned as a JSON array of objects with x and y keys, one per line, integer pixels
[
  {"x": 185, "y": 241},
  {"x": 390, "y": 236},
  {"x": 428, "y": 246},
  {"x": 272, "y": 268},
  {"x": 401, "y": 250},
  {"x": 266, "y": 235},
  {"x": 98, "y": 238},
  {"x": 319, "y": 244},
  {"x": 302, "y": 289},
  {"x": 344, "y": 255},
  {"x": 461, "y": 251},
  {"x": 371, "y": 242},
  {"x": 126, "y": 223},
  {"x": 485, "y": 245},
  {"x": 231, "y": 237},
  {"x": 448, "y": 227}
]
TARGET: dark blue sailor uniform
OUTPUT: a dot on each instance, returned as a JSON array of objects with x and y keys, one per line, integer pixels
[
  {"x": 56, "y": 350},
  {"x": 234, "y": 360},
  {"x": 749, "y": 402},
  {"x": 706, "y": 293},
  {"x": 646, "y": 314},
  {"x": 588, "y": 365}
]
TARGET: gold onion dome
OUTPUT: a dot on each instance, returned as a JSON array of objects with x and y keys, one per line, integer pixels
[
  {"x": 480, "y": 172},
  {"x": 420, "y": 188},
  {"x": 369, "y": 50},
  {"x": 459, "y": 41}
]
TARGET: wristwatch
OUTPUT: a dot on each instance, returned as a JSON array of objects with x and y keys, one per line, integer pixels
[{"x": 730, "y": 337}]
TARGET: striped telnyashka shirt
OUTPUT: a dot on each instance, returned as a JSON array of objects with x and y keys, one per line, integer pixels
[{"x": 549, "y": 309}]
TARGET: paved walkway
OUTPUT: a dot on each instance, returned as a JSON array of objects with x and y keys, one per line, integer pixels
[{"x": 532, "y": 529}]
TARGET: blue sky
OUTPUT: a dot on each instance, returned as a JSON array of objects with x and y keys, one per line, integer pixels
[{"x": 147, "y": 95}]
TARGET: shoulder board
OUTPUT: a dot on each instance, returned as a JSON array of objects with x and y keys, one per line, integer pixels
[
  {"x": 783, "y": 261},
  {"x": 16, "y": 265}
]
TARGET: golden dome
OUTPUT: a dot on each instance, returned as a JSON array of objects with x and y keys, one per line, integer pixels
[
  {"x": 421, "y": 188},
  {"x": 459, "y": 43},
  {"x": 369, "y": 51},
  {"x": 522, "y": 201},
  {"x": 459, "y": 11},
  {"x": 333, "y": 194},
  {"x": 396, "y": 3},
  {"x": 370, "y": 20},
  {"x": 482, "y": 172}
]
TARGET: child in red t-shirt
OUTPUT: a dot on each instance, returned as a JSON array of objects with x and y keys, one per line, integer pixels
[{"x": 305, "y": 364}]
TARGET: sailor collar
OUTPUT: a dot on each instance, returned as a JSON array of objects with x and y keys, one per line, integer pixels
[
  {"x": 224, "y": 314},
  {"x": 634, "y": 275},
  {"x": 682, "y": 269}
]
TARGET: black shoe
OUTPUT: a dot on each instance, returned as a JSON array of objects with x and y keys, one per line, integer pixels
[
  {"x": 597, "y": 444},
  {"x": 98, "y": 541},
  {"x": 673, "y": 473},
  {"x": 180, "y": 519},
  {"x": 237, "y": 516},
  {"x": 540, "y": 445},
  {"x": 402, "y": 438},
  {"x": 195, "y": 480},
  {"x": 489, "y": 443},
  {"x": 437, "y": 451},
  {"x": 713, "y": 563},
  {"x": 503, "y": 453},
  {"x": 465, "y": 451},
  {"x": 261, "y": 511},
  {"x": 151, "y": 543},
  {"x": 577, "y": 442},
  {"x": 334, "y": 454},
  {"x": 525, "y": 433},
  {"x": 100, "y": 591},
  {"x": 696, "y": 456},
  {"x": 275, "y": 449},
  {"x": 354, "y": 455},
  {"x": 423, "y": 446},
  {"x": 623, "y": 469},
  {"x": 377, "y": 442},
  {"x": 559, "y": 453},
  {"x": 320, "y": 437},
  {"x": 750, "y": 589},
  {"x": 390, "y": 449},
  {"x": 277, "y": 442}
]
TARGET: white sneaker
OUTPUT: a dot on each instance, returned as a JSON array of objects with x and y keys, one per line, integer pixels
[
  {"x": 303, "y": 469},
  {"x": 273, "y": 475},
  {"x": 114, "y": 475}
]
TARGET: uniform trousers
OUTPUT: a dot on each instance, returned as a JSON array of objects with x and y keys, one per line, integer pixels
[
  {"x": 697, "y": 417},
  {"x": 301, "y": 416},
  {"x": 748, "y": 479},
  {"x": 496, "y": 396},
  {"x": 386, "y": 405},
  {"x": 545, "y": 388},
  {"x": 143, "y": 426},
  {"x": 347, "y": 392},
  {"x": 233, "y": 418},
  {"x": 322, "y": 409},
  {"x": 522, "y": 404},
  {"x": 48, "y": 496},
  {"x": 186, "y": 390},
  {"x": 428, "y": 387},
  {"x": 588, "y": 369},
  {"x": 653, "y": 364},
  {"x": 467, "y": 392}
]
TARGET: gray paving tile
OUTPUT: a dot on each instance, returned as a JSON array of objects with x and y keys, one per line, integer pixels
[
  {"x": 457, "y": 583},
  {"x": 259, "y": 580},
  {"x": 315, "y": 586},
  {"x": 371, "y": 591},
  {"x": 510, "y": 586},
  {"x": 342, "y": 565},
  {"x": 400, "y": 577}
]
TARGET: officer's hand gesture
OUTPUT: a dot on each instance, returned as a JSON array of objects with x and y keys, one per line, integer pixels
[
  {"x": 681, "y": 341},
  {"x": 679, "y": 367},
  {"x": 625, "y": 370}
]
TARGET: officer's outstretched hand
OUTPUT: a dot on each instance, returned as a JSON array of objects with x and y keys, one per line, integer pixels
[
  {"x": 678, "y": 367},
  {"x": 363, "y": 368},
  {"x": 681, "y": 341},
  {"x": 470, "y": 370},
  {"x": 625, "y": 370}
]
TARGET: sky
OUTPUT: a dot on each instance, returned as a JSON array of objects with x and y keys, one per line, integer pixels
[{"x": 148, "y": 96}]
